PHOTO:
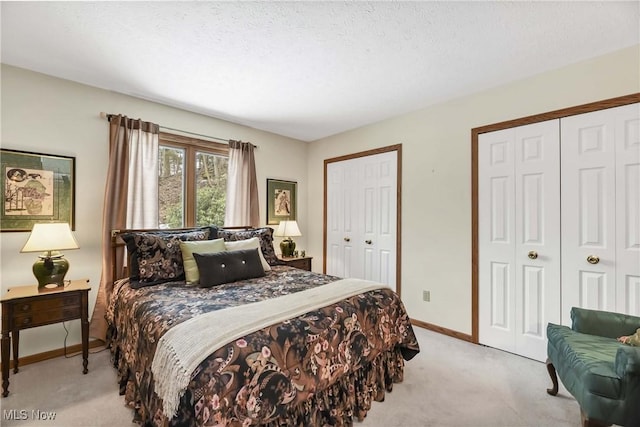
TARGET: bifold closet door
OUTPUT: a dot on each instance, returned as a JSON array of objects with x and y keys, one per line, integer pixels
[
  {"x": 601, "y": 211},
  {"x": 519, "y": 237},
  {"x": 362, "y": 198},
  {"x": 342, "y": 220}
]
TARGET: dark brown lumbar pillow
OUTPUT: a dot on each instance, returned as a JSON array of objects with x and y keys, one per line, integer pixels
[{"x": 229, "y": 266}]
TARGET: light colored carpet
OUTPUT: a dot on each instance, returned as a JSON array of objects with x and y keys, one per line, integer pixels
[{"x": 451, "y": 383}]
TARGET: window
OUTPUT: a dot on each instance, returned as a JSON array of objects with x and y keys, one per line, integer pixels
[{"x": 192, "y": 182}]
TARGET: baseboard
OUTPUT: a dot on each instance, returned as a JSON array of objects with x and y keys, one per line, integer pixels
[
  {"x": 444, "y": 331},
  {"x": 52, "y": 354}
]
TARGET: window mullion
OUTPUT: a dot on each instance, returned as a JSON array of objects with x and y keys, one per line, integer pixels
[{"x": 190, "y": 188}]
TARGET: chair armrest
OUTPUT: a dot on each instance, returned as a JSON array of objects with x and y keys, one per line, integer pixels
[
  {"x": 627, "y": 361},
  {"x": 603, "y": 323}
]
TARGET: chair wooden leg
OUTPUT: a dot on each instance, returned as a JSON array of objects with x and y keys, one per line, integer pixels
[
  {"x": 586, "y": 422},
  {"x": 554, "y": 378}
]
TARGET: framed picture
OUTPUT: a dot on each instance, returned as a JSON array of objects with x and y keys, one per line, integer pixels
[
  {"x": 281, "y": 201},
  {"x": 37, "y": 188}
]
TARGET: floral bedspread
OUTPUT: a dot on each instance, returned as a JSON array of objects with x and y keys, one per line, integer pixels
[{"x": 322, "y": 368}]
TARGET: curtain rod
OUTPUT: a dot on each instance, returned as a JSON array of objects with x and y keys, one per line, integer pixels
[{"x": 108, "y": 116}]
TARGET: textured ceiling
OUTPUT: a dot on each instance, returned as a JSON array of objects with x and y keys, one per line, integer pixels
[{"x": 308, "y": 69}]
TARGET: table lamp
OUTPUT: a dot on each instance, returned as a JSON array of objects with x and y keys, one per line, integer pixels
[
  {"x": 287, "y": 229},
  {"x": 51, "y": 266}
]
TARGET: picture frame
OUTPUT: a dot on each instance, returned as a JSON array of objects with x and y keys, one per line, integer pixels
[
  {"x": 37, "y": 188},
  {"x": 281, "y": 200}
]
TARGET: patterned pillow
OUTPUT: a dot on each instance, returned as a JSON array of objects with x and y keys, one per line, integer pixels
[
  {"x": 155, "y": 256},
  {"x": 229, "y": 266},
  {"x": 264, "y": 234}
]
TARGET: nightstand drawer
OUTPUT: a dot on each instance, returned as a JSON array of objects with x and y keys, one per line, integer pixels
[
  {"x": 45, "y": 317},
  {"x": 28, "y": 307},
  {"x": 301, "y": 263}
]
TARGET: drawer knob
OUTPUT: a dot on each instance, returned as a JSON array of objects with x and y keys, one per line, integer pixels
[
  {"x": 26, "y": 320},
  {"x": 26, "y": 307}
]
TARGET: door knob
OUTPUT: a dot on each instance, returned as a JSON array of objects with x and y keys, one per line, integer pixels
[
  {"x": 346, "y": 239},
  {"x": 532, "y": 254},
  {"x": 368, "y": 242},
  {"x": 593, "y": 259}
]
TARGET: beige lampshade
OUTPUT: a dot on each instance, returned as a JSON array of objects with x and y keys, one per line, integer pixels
[
  {"x": 287, "y": 229},
  {"x": 52, "y": 236}
]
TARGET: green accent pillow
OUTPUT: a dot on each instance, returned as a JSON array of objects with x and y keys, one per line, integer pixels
[{"x": 202, "y": 247}]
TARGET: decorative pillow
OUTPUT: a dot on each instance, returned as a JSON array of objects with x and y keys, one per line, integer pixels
[
  {"x": 252, "y": 243},
  {"x": 132, "y": 248},
  {"x": 265, "y": 234},
  {"x": 200, "y": 246},
  {"x": 631, "y": 339},
  {"x": 157, "y": 257},
  {"x": 226, "y": 267}
]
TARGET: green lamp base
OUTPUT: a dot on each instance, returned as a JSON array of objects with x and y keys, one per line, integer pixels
[
  {"x": 50, "y": 271},
  {"x": 287, "y": 246}
]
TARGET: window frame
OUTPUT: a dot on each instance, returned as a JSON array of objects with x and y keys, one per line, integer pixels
[{"x": 190, "y": 146}]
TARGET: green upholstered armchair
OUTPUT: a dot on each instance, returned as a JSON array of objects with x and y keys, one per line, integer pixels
[{"x": 601, "y": 373}]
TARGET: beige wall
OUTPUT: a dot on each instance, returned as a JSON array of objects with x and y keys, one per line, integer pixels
[
  {"x": 49, "y": 115},
  {"x": 436, "y": 199}
]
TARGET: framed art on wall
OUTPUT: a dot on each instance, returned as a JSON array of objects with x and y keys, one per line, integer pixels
[
  {"x": 37, "y": 188},
  {"x": 281, "y": 200}
]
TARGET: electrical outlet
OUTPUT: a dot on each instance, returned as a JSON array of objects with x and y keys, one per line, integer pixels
[{"x": 426, "y": 296}]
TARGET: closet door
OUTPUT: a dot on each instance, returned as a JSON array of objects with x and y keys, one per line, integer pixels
[
  {"x": 628, "y": 209},
  {"x": 362, "y": 202},
  {"x": 519, "y": 235},
  {"x": 537, "y": 249},
  {"x": 379, "y": 214},
  {"x": 496, "y": 235},
  {"x": 600, "y": 211},
  {"x": 342, "y": 220}
]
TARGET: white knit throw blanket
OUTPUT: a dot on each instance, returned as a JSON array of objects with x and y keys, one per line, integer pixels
[{"x": 182, "y": 348}]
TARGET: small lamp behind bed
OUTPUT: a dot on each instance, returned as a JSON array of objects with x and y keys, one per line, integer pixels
[
  {"x": 287, "y": 229},
  {"x": 49, "y": 238}
]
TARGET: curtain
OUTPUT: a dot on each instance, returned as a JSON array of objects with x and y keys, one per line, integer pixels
[
  {"x": 242, "y": 187},
  {"x": 133, "y": 154},
  {"x": 142, "y": 191}
]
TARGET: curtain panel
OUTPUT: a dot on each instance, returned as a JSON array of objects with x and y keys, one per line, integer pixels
[
  {"x": 242, "y": 187},
  {"x": 129, "y": 200}
]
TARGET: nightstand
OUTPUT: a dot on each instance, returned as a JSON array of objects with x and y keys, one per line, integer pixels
[
  {"x": 303, "y": 263},
  {"x": 25, "y": 307}
]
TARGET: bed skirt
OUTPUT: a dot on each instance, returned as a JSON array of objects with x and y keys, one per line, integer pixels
[{"x": 349, "y": 398}]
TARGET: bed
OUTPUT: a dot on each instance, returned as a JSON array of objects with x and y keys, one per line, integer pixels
[{"x": 278, "y": 347}]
